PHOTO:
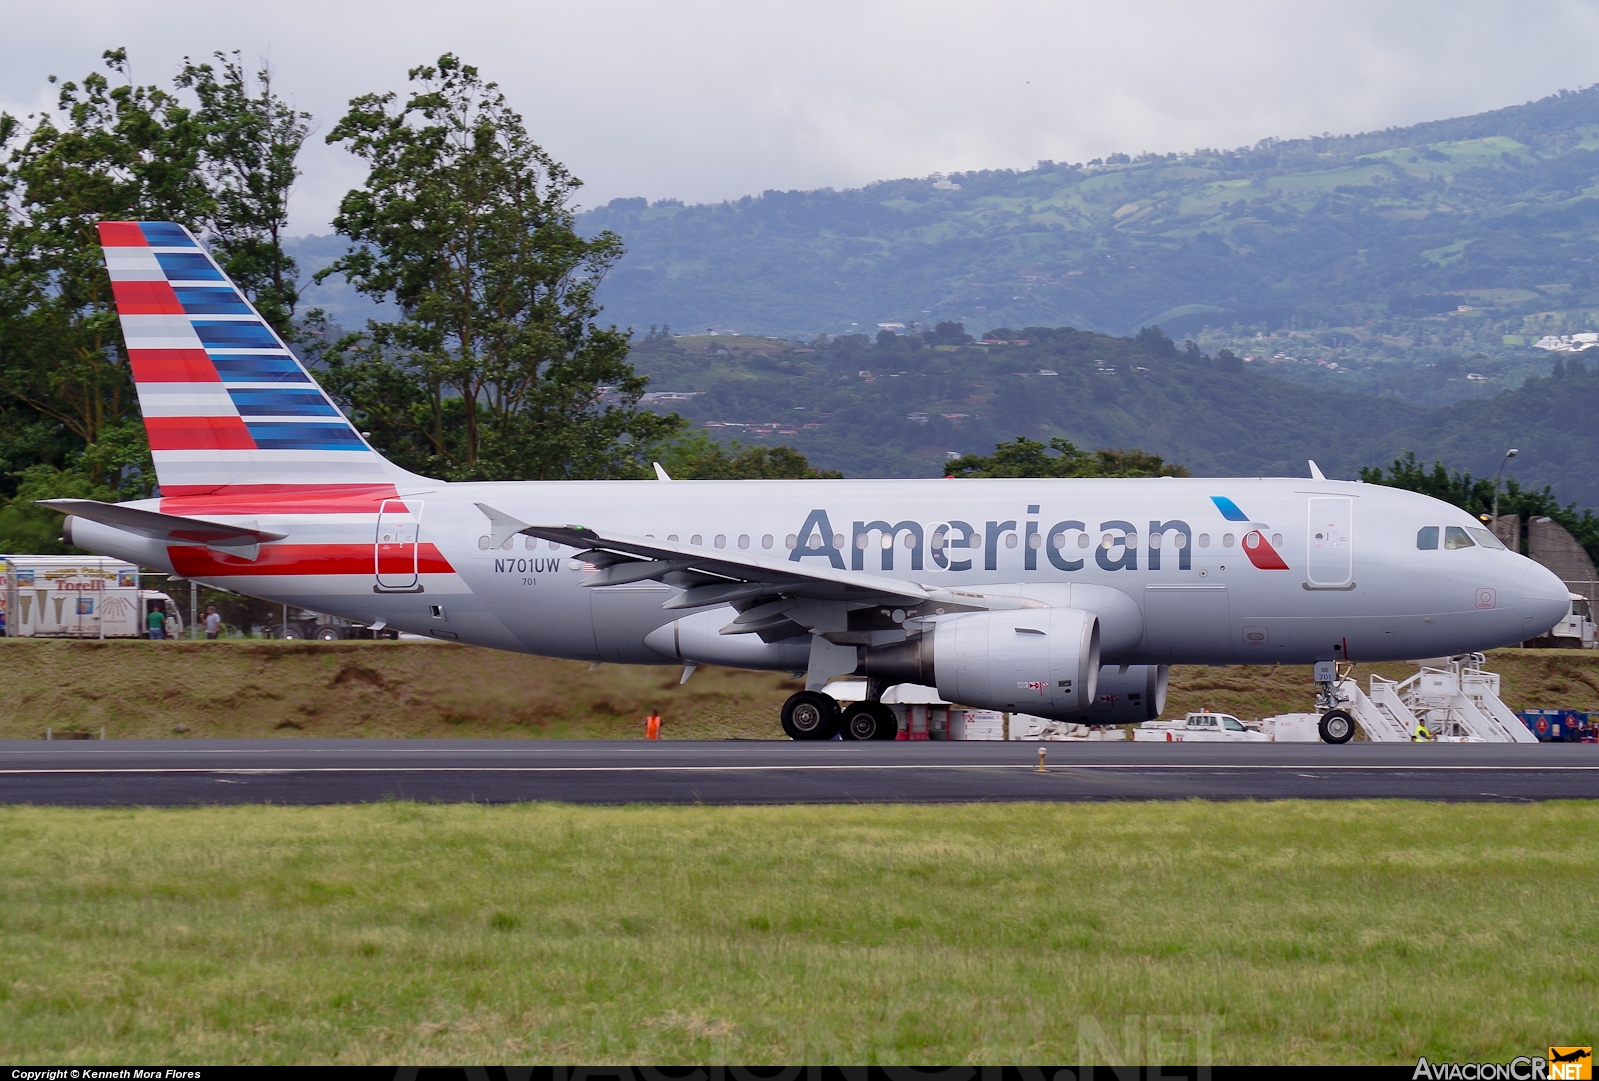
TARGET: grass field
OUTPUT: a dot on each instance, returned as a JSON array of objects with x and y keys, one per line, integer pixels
[
  {"x": 1253, "y": 932},
  {"x": 410, "y": 689}
]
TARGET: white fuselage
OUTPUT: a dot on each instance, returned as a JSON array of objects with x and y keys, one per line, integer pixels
[{"x": 1335, "y": 571}]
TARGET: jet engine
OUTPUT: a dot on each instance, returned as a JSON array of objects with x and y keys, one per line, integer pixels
[
  {"x": 1043, "y": 661},
  {"x": 1127, "y": 694}
]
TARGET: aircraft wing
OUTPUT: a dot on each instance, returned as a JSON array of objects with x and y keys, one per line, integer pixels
[
  {"x": 774, "y": 597},
  {"x": 236, "y": 540}
]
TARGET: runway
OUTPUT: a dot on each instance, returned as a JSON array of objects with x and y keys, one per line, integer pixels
[{"x": 181, "y": 772}]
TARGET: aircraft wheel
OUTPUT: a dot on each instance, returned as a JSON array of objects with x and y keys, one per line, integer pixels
[
  {"x": 1337, "y": 726},
  {"x": 328, "y": 634},
  {"x": 870, "y": 720},
  {"x": 810, "y": 715}
]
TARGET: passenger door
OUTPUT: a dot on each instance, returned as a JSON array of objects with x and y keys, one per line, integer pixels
[
  {"x": 395, "y": 546},
  {"x": 1330, "y": 563}
]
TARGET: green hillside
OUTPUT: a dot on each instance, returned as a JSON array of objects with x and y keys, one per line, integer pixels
[
  {"x": 1351, "y": 249},
  {"x": 899, "y": 407}
]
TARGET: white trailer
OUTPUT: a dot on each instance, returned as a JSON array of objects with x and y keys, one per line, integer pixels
[{"x": 74, "y": 597}]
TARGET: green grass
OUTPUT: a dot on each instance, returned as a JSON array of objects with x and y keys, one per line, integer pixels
[{"x": 1288, "y": 932}]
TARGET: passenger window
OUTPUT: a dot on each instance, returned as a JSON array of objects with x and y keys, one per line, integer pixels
[
  {"x": 1455, "y": 537},
  {"x": 721, "y": 540},
  {"x": 1232, "y": 724},
  {"x": 1485, "y": 538},
  {"x": 672, "y": 537},
  {"x": 1204, "y": 540},
  {"x": 791, "y": 541},
  {"x": 743, "y": 540},
  {"x": 1227, "y": 540},
  {"x": 1427, "y": 538},
  {"x": 696, "y": 539},
  {"x": 766, "y": 541}
]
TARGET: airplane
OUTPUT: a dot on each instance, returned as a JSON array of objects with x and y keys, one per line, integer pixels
[{"x": 1065, "y": 599}]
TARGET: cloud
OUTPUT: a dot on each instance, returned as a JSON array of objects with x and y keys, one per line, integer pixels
[{"x": 705, "y": 100}]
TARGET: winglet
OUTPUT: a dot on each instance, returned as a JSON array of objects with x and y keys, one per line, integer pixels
[
  {"x": 660, "y": 474},
  {"x": 502, "y": 526},
  {"x": 1315, "y": 471}
]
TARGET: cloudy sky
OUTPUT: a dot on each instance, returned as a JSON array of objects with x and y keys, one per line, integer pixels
[{"x": 705, "y": 100}]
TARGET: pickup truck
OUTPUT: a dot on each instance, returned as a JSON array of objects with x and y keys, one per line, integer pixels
[{"x": 1203, "y": 727}]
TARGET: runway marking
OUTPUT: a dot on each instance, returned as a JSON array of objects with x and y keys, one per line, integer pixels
[{"x": 753, "y": 769}]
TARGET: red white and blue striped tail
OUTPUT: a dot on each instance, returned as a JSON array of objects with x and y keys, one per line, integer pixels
[{"x": 226, "y": 404}]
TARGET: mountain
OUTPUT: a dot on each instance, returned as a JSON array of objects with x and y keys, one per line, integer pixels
[
  {"x": 1359, "y": 250},
  {"x": 900, "y": 406}
]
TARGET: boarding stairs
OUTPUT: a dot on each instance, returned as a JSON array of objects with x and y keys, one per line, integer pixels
[{"x": 1457, "y": 703}]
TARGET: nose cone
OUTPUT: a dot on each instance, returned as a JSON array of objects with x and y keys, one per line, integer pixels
[{"x": 1545, "y": 601}]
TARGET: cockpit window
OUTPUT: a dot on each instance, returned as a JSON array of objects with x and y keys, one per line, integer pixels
[
  {"x": 1485, "y": 538},
  {"x": 1455, "y": 537},
  {"x": 1427, "y": 538}
]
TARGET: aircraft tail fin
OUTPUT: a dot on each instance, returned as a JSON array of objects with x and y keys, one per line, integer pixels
[{"x": 226, "y": 404}]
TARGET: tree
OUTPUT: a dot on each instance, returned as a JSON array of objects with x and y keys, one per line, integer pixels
[
  {"x": 947, "y": 333},
  {"x": 69, "y": 417},
  {"x": 123, "y": 152},
  {"x": 249, "y": 141},
  {"x": 1030, "y": 458},
  {"x": 497, "y": 368},
  {"x": 1475, "y": 495},
  {"x": 699, "y": 458}
]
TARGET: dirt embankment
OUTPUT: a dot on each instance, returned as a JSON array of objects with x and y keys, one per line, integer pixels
[
  {"x": 147, "y": 690},
  {"x": 225, "y": 689}
]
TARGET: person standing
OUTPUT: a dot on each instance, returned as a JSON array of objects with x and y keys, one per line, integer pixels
[
  {"x": 156, "y": 622},
  {"x": 652, "y": 724},
  {"x": 213, "y": 623}
]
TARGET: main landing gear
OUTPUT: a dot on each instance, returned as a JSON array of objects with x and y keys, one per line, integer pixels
[
  {"x": 869, "y": 720},
  {"x": 812, "y": 715}
]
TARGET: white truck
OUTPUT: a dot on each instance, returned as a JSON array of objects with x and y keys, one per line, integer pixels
[
  {"x": 1575, "y": 631},
  {"x": 1202, "y": 727},
  {"x": 75, "y": 597}
]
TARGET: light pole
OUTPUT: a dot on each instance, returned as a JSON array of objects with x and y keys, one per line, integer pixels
[{"x": 1509, "y": 454}]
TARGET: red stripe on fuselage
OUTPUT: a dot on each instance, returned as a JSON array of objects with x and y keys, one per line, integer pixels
[
  {"x": 146, "y": 298},
  {"x": 198, "y": 433},
  {"x": 172, "y": 366},
  {"x": 122, "y": 234},
  {"x": 1262, "y": 554},
  {"x": 284, "y": 559},
  {"x": 280, "y": 499}
]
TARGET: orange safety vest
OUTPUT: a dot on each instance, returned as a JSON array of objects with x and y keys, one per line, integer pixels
[{"x": 652, "y": 726}]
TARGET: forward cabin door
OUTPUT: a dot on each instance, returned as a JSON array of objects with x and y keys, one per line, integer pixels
[
  {"x": 1330, "y": 562},
  {"x": 395, "y": 549}
]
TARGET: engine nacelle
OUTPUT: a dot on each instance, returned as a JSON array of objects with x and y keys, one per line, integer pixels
[
  {"x": 117, "y": 543},
  {"x": 697, "y": 639},
  {"x": 1127, "y": 694},
  {"x": 1043, "y": 661}
]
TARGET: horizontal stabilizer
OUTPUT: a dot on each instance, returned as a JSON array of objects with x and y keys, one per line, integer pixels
[{"x": 233, "y": 539}]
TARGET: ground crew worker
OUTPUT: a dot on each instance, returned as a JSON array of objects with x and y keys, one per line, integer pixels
[
  {"x": 652, "y": 724},
  {"x": 1422, "y": 734}
]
